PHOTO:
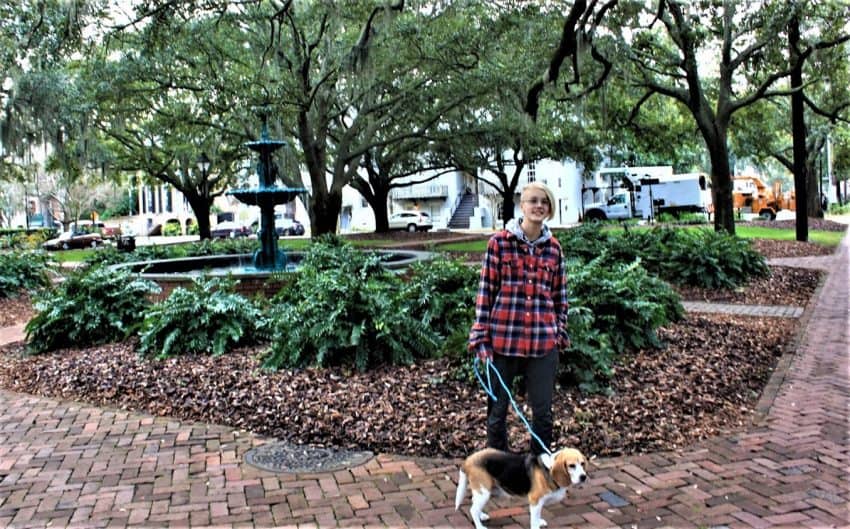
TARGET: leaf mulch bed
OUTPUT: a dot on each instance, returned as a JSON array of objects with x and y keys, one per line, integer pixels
[
  {"x": 772, "y": 249},
  {"x": 707, "y": 381},
  {"x": 15, "y": 310},
  {"x": 784, "y": 286},
  {"x": 790, "y": 224}
]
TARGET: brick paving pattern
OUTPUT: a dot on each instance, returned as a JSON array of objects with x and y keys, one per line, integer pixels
[{"x": 65, "y": 464}]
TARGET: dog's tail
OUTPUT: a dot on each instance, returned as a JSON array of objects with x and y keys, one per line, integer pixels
[{"x": 461, "y": 489}]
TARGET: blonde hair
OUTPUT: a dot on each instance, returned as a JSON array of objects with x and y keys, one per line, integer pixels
[{"x": 549, "y": 196}]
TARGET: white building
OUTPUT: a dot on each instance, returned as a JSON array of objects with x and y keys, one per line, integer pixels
[
  {"x": 454, "y": 200},
  {"x": 459, "y": 201}
]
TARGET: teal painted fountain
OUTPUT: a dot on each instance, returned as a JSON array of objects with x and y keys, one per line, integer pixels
[{"x": 266, "y": 196}]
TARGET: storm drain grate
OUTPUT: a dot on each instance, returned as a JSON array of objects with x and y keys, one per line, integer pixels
[{"x": 299, "y": 459}]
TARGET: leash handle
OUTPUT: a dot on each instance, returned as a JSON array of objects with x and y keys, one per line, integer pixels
[{"x": 488, "y": 388}]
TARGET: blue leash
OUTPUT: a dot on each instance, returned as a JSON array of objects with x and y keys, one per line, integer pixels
[{"x": 488, "y": 388}]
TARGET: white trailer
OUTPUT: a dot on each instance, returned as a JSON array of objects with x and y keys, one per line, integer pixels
[{"x": 645, "y": 196}]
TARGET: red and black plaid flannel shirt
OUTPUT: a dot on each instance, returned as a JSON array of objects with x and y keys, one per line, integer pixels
[{"x": 521, "y": 308}]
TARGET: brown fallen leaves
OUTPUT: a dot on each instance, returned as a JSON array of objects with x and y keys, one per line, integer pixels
[{"x": 707, "y": 381}]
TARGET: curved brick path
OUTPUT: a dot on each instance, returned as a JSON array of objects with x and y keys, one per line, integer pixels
[{"x": 67, "y": 464}]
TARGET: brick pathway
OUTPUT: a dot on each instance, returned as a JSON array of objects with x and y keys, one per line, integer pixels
[{"x": 71, "y": 465}]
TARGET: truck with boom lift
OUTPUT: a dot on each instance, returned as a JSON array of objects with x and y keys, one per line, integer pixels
[{"x": 646, "y": 192}]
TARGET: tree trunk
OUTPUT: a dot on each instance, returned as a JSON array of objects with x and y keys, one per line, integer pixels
[
  {"x": 507, "y": 206},
  {"x": 798, "y": 130},
  {"x": 379, "y": 202},
  {"x": 813, "y": 206},
  {"x": 721, "y": 185},
  {"x": 201, "y": 208},
  {"x": 324, "y": 212}
]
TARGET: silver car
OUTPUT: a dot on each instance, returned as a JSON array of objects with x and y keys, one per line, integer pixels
[{"x": 411, "y": 221}]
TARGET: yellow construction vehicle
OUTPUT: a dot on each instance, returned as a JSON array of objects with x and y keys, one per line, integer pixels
[{"x": 751, "y": 195}]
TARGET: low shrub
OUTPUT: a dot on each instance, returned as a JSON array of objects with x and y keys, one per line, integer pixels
[
  {"x": 172, "y": 229},
  {"x": 208, "y": 318},
  {"x": 21, "y": 239},
  {"x": 682, "y": 218},
  {"x": 344, "y": 308},
  {"x": 708, "y": 259},
  {"x": 91, "y": 306},
  {"x": 441, "y": 294},
  {"x": 23, "y": 271},
  {"x": 838, "y": 209},
  {"x": 615, "y": 308}
]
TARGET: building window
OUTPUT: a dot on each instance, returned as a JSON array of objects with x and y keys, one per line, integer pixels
[{"x": 531, "y": 171}]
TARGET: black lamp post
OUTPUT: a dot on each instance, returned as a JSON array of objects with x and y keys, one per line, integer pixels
[{"x": 204, "y": 166}]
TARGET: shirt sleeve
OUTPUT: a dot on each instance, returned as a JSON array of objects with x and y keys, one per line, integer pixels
[
  {"x": 488, "y": 288},
  {"x": 561, "y": 302}
]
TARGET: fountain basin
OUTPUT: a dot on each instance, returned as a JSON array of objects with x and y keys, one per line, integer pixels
[
  {"x": 172, "y": 273},
  {"x": 267, "y": 197}
]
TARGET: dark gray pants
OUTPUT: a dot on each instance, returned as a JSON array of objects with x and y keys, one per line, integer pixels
[{"x": 540, "y": 384}]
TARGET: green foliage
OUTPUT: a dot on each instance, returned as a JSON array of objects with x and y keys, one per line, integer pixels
[
  {"x": 618, "y": 308},
  {"x": 124, "y": 205},
  {"x": 206, "y": 318},
  {"x": 700, "y": 257},
  {"x": 172, "y": 229},
  {"x": 682, "y": 218},
  {"x": 839, "y": 209},
  {"x": 23, "y": 271},
  {"x": 705, "y": 258},
  {"x": 111, "y": 255},
  {"x": 441, "y": 294},
  {"x": 92, "y": 306},
  {"x": 22, "y": 239},
  {"x": 344, "y": 309},
  {"x": 107, "y": 255}
]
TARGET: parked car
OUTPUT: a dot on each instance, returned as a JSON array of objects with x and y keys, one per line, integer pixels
[
  {"x": 282, "y": 225},
  {"x": 287, "y": 226},
  {"x": 73, "y": 239},
  {"x": 229, "y": 229},
  {"x": 107, "y": 232},
  {"x": 411, "y": 221}
]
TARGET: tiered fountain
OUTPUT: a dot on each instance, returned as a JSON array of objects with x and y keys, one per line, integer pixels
[
  {"x": 260, "y": 273},
  {"x": 267, "y": 196}
]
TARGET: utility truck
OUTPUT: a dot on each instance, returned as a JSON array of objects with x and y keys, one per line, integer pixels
[{"x": 641, "y": 194}]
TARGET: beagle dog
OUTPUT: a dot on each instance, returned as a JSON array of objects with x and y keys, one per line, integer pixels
[{"x": 543, "y": 479}]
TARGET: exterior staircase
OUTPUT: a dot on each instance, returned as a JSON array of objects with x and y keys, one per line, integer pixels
[{"x": 465, "y": 209}]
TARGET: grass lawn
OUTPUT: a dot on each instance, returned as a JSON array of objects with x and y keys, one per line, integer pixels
[
  {"x": 827, "y": 238},
  {"x": 72, "y": 256}
]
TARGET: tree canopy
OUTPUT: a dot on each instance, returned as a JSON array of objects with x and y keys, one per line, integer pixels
[{"x": 369, "y": 94}]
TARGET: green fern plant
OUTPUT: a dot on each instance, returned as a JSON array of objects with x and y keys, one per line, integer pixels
[
  {"x": 23, "y": 271},
  {"x": 207, "y": 318},
  {"x": 441, "y": 294},
  {"x": 92, "y": 306},
  {"x": 614, "y": 308},
  {"x": 344, "y": 309}
]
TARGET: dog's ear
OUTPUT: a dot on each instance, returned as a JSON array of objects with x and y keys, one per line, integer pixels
[
  {"x": 561, "y": 474},
  {"x": 547, "y": 461}
]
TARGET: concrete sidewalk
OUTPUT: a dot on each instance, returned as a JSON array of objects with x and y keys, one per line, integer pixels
[{"x": 68, "y": 464}]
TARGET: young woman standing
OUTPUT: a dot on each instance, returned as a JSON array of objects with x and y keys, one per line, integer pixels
[{"x": 521, "y": 314}]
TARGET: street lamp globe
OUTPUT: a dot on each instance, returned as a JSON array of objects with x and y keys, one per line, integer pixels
[{"x": 203, "y": 163}]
